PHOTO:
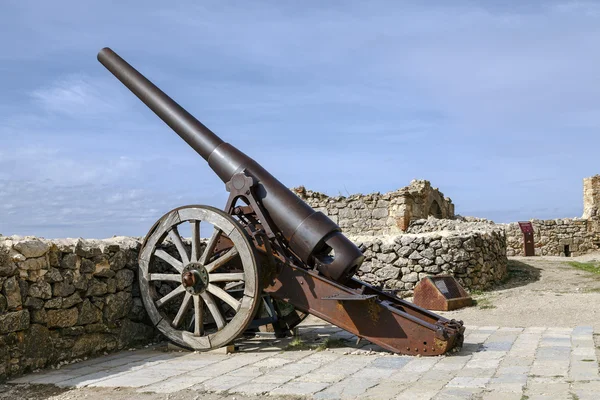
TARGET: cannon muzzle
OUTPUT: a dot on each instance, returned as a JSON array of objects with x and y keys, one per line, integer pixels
[{"x": 310, "y": 234}]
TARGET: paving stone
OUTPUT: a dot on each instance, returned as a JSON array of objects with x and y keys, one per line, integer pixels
[
  {"x": 384, "y": 390},
  {"x": 468, "y": 382},
  {"x": 556, "y": 342},
  {"x": 420, "y": 364},
  {"x": 422, "y": 391},
  {"x": 253, "y": 388},
  {"x": 221, "y": 383},
  {"x": 272, "y": 363},
  {"x": 480, "y": 363},
  {"x": 586, "y": 390},
  {"x": 374, "y": 373},
  {"x": 500, "y": 395},
  {"x": 349, "y": 388},
  {"x": 512, "y": 370},
  {"x": 512, "y": 361},
  {"x": 299, "y": 388},
  {"x": 250, "y": 371},
  {"x": 174, "y": 384},
  {"x": 138, "y": 378},
  {"x": 511, "y": 330},
  {"x": 495, "y": 363},
  {"x": 535, "y": 329},
  {"x": 457, "y": 393},
  {"x": 497, "y": 346},
  {"x": 585, "y": 352},
  {"x": 477, "y": 372},
  {"x": 390, "y": 362},
  {"x": 272, "y": 378},
  {"x": 296, "y": 369}
]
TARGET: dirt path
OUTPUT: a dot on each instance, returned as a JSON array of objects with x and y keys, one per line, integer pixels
[{"x": 541, "y": 291}]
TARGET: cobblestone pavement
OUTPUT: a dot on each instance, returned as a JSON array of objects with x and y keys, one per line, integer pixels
[{"x": 494, "y": 363}]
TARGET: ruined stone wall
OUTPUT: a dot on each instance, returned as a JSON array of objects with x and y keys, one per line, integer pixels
[
  {"x": 62, "y": 300},
  {"x": 381, "y": 214},
  {"x": 474, "y": 253},
  {"x": 591, "y": 197},
  {"x": 551, "y": 237},
  {"x": 581, "y": 235}
]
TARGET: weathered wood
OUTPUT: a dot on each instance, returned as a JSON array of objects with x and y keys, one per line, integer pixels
[
  {"x": 224, "y": 330},
  {"x": 226, "y": 277},
  {"x": 233, "y": 252},
  {"x": 198, "y": 316},
  {"x": 214, "y": 310},
  {"x": 178, "y": 265},
  {"x": 223, "y": 295},
  {"x": 177, "y": 291},
  {"x": 166, "y": 277},
  {"x": 185, "y": 305},
  {"x": 176, "y": 238},
  {"x": 195, "y": 240},
  {"x": 210, "y": 246}
]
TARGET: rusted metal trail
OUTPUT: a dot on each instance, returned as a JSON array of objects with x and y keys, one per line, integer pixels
[{"x": 384, "y": 319}]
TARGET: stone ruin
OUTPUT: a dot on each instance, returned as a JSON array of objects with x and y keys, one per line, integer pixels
[
  {"x": 413, "y": 232},
  {"x": 62, "y": 300},
  {"x": 564, "y": 237},
  {"x": 381, "y": 214}
]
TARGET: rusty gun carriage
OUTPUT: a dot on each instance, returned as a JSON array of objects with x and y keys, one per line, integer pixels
[{"x": 266, "y": 244}]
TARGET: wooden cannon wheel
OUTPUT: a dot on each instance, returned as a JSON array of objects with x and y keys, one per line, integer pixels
[{"x": 200, "y": 296}]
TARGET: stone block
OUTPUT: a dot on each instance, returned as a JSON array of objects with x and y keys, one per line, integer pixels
[
  {"x": 31, "y": 248},
  {"x": 12, "y": 292},
  {"x": 63, "y": 289},
  {"x": 14, "y": 321},
  {"x": 62, "y": 318}
]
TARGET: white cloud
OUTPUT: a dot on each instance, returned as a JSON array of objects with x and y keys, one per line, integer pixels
[{"x": 78, "y": 96}]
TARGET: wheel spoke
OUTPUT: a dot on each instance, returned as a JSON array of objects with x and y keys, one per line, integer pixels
[
  {"x": 165, "y": 277},
  {"x": 182, "y": 310},
  {"x": 214, "y": 310},
  {"x": 198, "y": 316},
  {"x": 210, "y": 246},
  {"x": 223, "y": 295},
  {"x": 221, "y": 260},
  {"x": 175, "y": 263},
  {"x": 177, "y": 291},
  {"x": 176, "y": 238},
  {"x": 195, "y": 240},
  {"x": 225, "y": 277}
]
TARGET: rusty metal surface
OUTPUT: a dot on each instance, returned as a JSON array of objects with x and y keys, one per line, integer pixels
[
  {"x": 385, "y": 320},
  {"x": 441, "y": 293},
  {"x": 309, "y": 233}
]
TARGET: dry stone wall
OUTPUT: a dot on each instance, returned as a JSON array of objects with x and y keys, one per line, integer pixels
[
  {"x": 474, "y": 253},
  {"x": 381, "y": 214},
  {"x": 62, "y": 300},
  {"x": 556, "y": 237}
]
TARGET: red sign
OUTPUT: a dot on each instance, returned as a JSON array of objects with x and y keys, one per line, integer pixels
[{"x": 526, "y": 227}]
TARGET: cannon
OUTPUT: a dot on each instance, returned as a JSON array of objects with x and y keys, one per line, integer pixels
[{"x": 269, "y": 256}]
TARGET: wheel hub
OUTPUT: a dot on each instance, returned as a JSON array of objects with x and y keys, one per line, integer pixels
[{"x": 194, "y": 278}]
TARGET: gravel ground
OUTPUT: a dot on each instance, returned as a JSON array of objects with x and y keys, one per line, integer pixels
[{"x": 541, "y": 291}]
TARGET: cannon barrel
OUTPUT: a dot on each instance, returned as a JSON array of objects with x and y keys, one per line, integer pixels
[{"x": 310, "y": 234}]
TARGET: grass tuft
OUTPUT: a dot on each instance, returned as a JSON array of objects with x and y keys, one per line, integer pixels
[
  {"x": 297, "y": 344},
  {"x": 328, "y": 343},
  {"x": 593, "y": 267}
]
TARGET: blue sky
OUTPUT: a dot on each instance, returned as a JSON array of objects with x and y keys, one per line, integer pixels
[{"x": 496, "y": 104}]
